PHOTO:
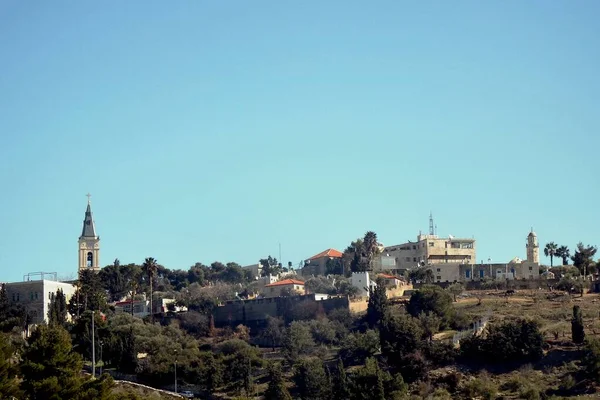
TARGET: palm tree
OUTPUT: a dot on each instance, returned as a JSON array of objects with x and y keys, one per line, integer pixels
[
  {"x": 564, "y": 253},
  {"x": 150, "y": 268},
  {"x": 550, "y": 251},
  {"x": 370, "y": 247}
]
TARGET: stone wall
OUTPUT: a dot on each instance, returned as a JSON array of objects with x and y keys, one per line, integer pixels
[{"x": 254, "y": 313}]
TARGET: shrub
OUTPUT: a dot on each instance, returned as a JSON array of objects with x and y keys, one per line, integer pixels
[
  {"x": 591, "y": 359},
  {"x": 481, "y": 386},
  {"x": 512, "y": 341},
  {"x": 440, "y": 354}
]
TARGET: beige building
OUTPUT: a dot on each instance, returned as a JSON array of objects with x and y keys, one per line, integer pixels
[
  {"x": 319, "y": 263},
  {"x": 427, "y": 250},
  {"x": 286, "y": 285},
  {"x": 36, "y": 296},
  {"x": 89, "y": 242},
  {"x": 514, "y": 269}
]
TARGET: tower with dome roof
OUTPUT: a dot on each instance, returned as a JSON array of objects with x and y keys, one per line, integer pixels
[{"x": 533, "y": 248}]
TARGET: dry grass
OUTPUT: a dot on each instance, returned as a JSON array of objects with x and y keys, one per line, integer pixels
[{"x": 553, "y": 310}]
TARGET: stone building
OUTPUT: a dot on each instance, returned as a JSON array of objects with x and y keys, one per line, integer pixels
[
  {"x": 514, "y": 269},
  {"x": 36, "y": 296},
  {"x": 290, "y": 285},
  {"x": 89, "y": 242},
  {"x": 319, "y": 263},
  {"x": 449, "y": 252}
]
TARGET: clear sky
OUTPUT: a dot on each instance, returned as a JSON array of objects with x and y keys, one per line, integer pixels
[{"x": 215, "y": 130}]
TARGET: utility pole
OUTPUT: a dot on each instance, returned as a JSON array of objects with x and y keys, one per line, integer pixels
[{"x": 93, "y": 348}]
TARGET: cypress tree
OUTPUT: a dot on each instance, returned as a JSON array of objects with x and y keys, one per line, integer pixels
[
  {"x": 340, "y": 382},
  {"x": 377, "y": 305},
  {"x": 577, "y": 332},
  {"x": 276, "y": 389}
]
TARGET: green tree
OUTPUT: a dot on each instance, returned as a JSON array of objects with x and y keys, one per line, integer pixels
[
  {"x": 456, "y": 289},
  {"x": 196, "y": 274},
  {"x": 353, "y": 257},
  {"x": 377, "y": 305},
  {"x": 432, "y": 299},
  {"x": 52, "y": 370},
  {"x": 12, "y": 315},
  {"x": 113, "y": 280},
  {"x": 90, "y": 294},
  {"x": 150, "y": 267},
  {"x": 9, "y": 386},
  {"x": 371, "y": 248},
  {"x": 276, "y": 389},
  {"x": 233, "y": 273},
  {"x": 270, "y": 266},
  {"x": 583, "y": 258},
  {"x": 577, "y": 332},
  {"x": 368, "y": 383},
  {"x": 550, "y": 251},
  {"x": 274, "y": 331},
  {"x": 340, "y": 390},
  {"x": 400, "y": 343},
  {"x": 297, "y": 340},
  {"x": 311, "y": 379},
  {"x": 591, "y": 359},
  {"x": 57, "y": 313},
  {"x": 212, "y": 373},
  {"x": 430, "y": 323},
  {"x": 357, "y": 347},
  {"x": 564, "y": 253}
]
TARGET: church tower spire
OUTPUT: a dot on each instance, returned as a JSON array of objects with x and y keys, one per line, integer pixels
[{"x": 89, "y": 242}]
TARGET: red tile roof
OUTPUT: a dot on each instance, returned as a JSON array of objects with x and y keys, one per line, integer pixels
[
  {"x": 389, "y": 276},
  {"x": 328, "y": 253},
  {"x": 286, "y": 282}
]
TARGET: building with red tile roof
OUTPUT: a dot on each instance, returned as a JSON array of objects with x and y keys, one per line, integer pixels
[
  {"x": 327, "y": 261},
  {"x": 287, "y": 285}
]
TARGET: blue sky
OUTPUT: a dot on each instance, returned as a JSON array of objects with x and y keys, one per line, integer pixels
[{"x": 216, "y": 130}]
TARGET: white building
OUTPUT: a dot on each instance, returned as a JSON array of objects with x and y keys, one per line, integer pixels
[
  {"x": 363, "y": 283},
  {"x": 36, "y": 296}
]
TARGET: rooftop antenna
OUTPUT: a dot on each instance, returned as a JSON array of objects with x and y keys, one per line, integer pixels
[{"x": 431, "y": 227}]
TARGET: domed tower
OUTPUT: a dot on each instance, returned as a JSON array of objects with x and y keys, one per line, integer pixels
[{"x": 533, "y": 248}]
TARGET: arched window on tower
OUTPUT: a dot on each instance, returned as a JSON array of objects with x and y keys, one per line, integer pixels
[{"x": 90, "y": 260}]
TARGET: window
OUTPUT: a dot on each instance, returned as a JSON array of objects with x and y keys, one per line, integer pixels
[
  {"x": 481, "y": 273},
  {"x": 431, "y": 244},
  {"x": 438, "y": 270},
  {"x": 414, "y": 259},
  {"x": 36, "y": 295},
  {"x": 439, "y": 278},
  {"x": 90, "y": 260},
  {"x": 468, "y": 274},
  {"x": 407, "y": 258},
  {"x": 13, "y": 297},
  {"x": 531, "y": 268},
  {"x": 414, "y": 247}
]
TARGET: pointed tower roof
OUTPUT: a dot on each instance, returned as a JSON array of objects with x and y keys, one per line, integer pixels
[{"x": 89, "y": 229}]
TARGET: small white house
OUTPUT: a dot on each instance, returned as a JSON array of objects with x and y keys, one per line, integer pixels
[{"x": 363, "y": 283}]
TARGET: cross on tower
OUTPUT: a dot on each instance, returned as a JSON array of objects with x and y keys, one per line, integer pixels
[{"x": 88, "y": 196}]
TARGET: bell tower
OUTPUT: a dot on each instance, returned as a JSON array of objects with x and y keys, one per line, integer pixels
[
  {"x": 89, "y": 242},
  {"x": 533, "y": 248}
]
